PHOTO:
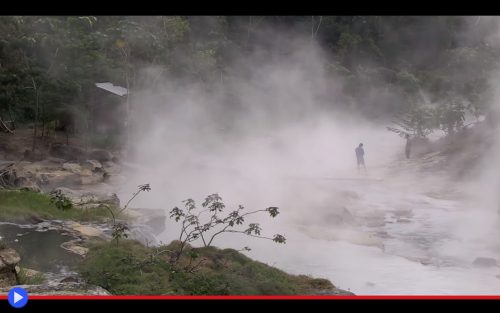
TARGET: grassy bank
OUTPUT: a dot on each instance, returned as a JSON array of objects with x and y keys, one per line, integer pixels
[
  {"x": 19, "y": 206},
  {"x": 130, "y": 268},
  {"x": 30, "y": 277}
]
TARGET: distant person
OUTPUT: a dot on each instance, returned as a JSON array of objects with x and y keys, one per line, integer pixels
[
  {"x": 360, "y": 156},
  {"x": 408, "y": 146}
]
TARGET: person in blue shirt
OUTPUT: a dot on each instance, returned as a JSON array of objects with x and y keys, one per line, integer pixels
[
  {"x": 408, "y": 146},
  {"x": 360, "y": 156}
]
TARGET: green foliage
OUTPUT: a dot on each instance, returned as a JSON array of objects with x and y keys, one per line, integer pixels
[
  {"x": 50, "y": 63},
  {"x": 450, "y": 116},
  {"x": 131, "y": 268},
  {"x": 419, "y": 121},
  {"x": 119, "y": 231},
  {"x": 23, "y": 205},
  {"x": 60, "y": 200},
  {"x": 208, "y": 223}
]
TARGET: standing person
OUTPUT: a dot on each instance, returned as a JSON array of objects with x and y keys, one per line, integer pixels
[
  {"x": 408, "y": 146},
  {"x": 360, "y": 156}
]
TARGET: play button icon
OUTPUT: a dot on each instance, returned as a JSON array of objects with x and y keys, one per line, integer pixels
[{"x": 18, "y": 297}]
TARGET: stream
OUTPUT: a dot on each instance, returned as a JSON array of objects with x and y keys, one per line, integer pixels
[{"x": 40, "y": 249}]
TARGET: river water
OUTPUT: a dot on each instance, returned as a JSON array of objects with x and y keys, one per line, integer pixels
[
  {"x": 404, "y": 236},
  {"x": 420, "y": 245},
  {"x": 39, "y": 249}
]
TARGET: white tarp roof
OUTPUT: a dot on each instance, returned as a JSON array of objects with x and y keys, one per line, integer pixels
[{"x": 117, "y": 90}]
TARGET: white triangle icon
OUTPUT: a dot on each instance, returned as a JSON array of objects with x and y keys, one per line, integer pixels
[{"x": 17, "y": 297}]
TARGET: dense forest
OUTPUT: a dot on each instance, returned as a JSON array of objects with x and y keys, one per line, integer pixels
[{"x": 433, "y": 71}]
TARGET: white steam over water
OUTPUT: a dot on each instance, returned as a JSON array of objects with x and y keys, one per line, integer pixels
[{"x": 265, "y": 136}]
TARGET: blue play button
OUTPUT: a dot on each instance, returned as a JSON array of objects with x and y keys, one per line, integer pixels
[{"x": 18, "y": 297}]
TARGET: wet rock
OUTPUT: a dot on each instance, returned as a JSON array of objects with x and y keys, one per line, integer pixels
[
  {"x": 91, "y": 179},
  {"x": 9, "y": 257},
  {"x": 45, "y": 225},
  {"x": 25, "y": 183},
  {"x": 425, "y": 261},
  {"x": 72, "y": 246},
  {"x": 86, "y": 199},
  {"x": 85, "y": 230},
  {"x": 485, "y": 262},
  {"x": 42, "y": 178},
  {"x": 61, "y": 288},
  {"x": 92, "y": 165},
  {"x": 72, "y": 167},
  {"x": 62, "y": 178},
  {"x": 8, "y": 261}
]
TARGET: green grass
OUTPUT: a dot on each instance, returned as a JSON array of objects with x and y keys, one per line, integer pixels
[
  {"x": 26, "y": 279},
  {"x": 127, "y": 269},
  {"x": 18, "y": 206}
]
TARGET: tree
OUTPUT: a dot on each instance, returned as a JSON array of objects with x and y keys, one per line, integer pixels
[
  {"x": 450, "y": 116},
  {"x": 207, "y": 224},
  {"x": 417, "y": 122}
]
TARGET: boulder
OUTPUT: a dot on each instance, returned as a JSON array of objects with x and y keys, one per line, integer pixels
[
  {"x": 485, "y": 262},
  {"x": 91, "y": 179},
  {"x": 61, "y": 178},
  {"x": 86, "y": 199},
  {"x": 72, "y": 167},
  {"x": 8, "y": 261},
  {"x": 26, "y": 184},
  {"x": 72, "y": 246},
  {"x": 9, "y": 257},
  {"x": 84, "y": 230},
  {"x": 92, "y": 165}
]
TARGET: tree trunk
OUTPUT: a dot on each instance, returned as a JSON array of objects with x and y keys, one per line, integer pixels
[
  {"x": 36, "y": 116},
  {"x": 12, "y": 120}
]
